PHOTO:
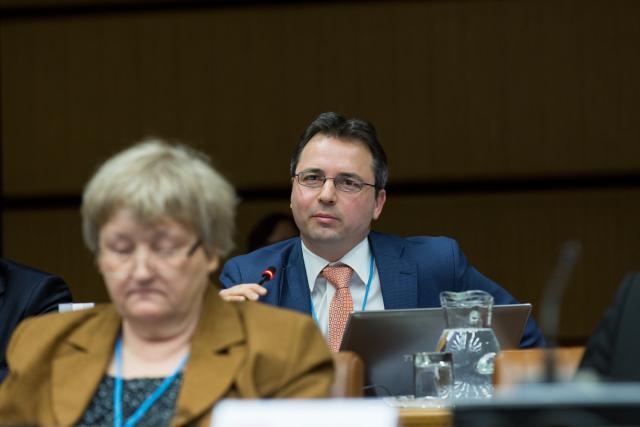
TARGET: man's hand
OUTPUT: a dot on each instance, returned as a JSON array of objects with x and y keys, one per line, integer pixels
[{"x": 243, "y": 292}]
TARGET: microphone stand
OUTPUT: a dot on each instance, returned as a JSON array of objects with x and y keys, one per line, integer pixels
[{"x": 551, "y": 303}]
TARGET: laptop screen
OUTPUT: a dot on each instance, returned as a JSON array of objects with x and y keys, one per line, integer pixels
[{"x": 387, "y": 339}]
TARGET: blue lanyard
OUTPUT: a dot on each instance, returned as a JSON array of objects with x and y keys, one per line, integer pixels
[
  {"x": 366, "y": 293},
  {"x": 149, "y": 401}
]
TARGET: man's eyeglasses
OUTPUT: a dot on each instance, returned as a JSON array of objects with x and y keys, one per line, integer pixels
[
  {"x": 121, "y": 261},
  {"x": 343, "y": 182}
]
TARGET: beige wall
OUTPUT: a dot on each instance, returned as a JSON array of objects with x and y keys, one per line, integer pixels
[{"x": 459, "y": 91}]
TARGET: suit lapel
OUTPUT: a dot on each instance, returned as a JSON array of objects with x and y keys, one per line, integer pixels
[
  {"x": 2, "y": 284},
  {"x": 398, "y": 276},
  {"x": 294, "y": 289},
  {"x": 214, "y": 361},
  {"x": 3, "y": 278},
  {"x": 3, "y": 313},
  {"x": 79, "y": 369}
]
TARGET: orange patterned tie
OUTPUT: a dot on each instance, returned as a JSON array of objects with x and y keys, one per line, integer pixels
[{"x": 341, "y": 304}]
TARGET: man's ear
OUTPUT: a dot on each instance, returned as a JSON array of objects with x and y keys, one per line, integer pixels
[
  {"x": 214, "y": 263},
  {"x": 381, "y": 198}
]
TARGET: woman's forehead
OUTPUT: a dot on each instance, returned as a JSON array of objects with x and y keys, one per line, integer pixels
[{"x": 126, "y": 220}]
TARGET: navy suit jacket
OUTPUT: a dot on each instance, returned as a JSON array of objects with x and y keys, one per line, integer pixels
[
  {"x": 25, "y": 292},
  {"x": 413, "y": 271},
  {"x": 613, "y": 350}
]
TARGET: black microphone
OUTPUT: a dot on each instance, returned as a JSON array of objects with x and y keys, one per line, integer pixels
[
  {"x": 551, "y": 303},
  {"x": 267, "y": 275}
]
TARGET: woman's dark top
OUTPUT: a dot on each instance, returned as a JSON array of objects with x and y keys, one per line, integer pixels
[{"x": 134, "y": 392}]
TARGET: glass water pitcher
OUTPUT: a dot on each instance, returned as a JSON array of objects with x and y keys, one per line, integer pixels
[{"x": 469, "y": 337}]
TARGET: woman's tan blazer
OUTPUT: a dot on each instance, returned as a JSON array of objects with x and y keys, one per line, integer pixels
[{"x": 239, "y": 350}]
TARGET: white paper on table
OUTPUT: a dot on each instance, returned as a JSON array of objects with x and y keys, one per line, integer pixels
[
  {"x": 77, "y": 306},
  {"x": 304, "y": 413}
]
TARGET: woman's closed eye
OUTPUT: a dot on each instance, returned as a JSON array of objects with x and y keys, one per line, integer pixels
[
  {"x": 120, "y": 248},
  {"x": 167, "y": 247}
]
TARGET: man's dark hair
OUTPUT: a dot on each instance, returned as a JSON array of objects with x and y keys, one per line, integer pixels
[{"x": 337, "y": 126}]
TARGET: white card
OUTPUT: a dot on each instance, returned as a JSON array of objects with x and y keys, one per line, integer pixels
[{"x": 304, "y": 413}]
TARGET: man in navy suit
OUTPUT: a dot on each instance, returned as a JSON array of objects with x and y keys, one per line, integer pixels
[
  {"x": 338, "y": 174},
  {"x": 25, "y": 292}
]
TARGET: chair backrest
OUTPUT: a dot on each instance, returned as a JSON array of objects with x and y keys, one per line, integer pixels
[
  {"x": 349, "y": 375},
  {"x": 519, "y": 366}
]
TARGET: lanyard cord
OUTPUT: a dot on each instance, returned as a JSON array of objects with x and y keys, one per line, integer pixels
[
  {"x": 148, "y": 402},
  {"x": 366, "y": 293}
]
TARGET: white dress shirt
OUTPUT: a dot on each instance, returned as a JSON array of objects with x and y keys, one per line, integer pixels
[{"x": 358, "y": 258}]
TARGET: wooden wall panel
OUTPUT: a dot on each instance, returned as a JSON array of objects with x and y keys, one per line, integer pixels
[
  {"x": 458, "y": 89},
  {"x": 51, "y": 240}
]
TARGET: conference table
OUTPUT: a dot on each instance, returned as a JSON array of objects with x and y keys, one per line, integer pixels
[
  {"x": 584, "y": 403},
  {"x": 425, "y": 417}
]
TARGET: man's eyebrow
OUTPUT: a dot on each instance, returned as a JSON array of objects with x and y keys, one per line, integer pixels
[
  {"x": 350, "y": 175},
  {"x": 341, "y": 174},
  {"x": 314, "y": 170}
]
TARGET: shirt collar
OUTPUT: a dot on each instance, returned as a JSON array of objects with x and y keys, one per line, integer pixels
[{"x": 357, "y": 258}]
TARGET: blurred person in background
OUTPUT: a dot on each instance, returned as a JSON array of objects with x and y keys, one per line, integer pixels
[
  {"x": 25, "y": 292},
  {"x": 613, "y": 351},
  {"x": 273, "y": 228},
  {"x": 158, "y": 218}
]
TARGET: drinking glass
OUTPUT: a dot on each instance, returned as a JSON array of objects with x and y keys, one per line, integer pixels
[{"x": 433, "y": 374}]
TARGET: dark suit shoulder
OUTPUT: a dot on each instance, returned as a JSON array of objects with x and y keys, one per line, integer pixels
[
  {"x": 420, "y": 248},
  {"x": 247, "y": 268},
  {"x": 16, "y": 271},
  {"x": 433, "y": 244},
  {"x": 435, "y": 241},
  {"x": 611, "y": 350},
  {"x": 34, "y": 290},
  {"x": 630, "y": 284},
  {"x": 626, "y": 301}
]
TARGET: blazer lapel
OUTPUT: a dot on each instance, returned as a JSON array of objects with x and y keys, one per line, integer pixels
[
  {"x": 79, "y": 369},
  {"x": 398, "y": 276},
  {"x": 294, "y": 292},
  {"x": 214, "y": 361}
]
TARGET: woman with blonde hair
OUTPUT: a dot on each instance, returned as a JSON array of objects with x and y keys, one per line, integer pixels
[{"x": 158, "y": 218}]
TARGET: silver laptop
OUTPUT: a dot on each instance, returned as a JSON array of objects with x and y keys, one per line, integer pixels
[{"x": 387, "y": 339}]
